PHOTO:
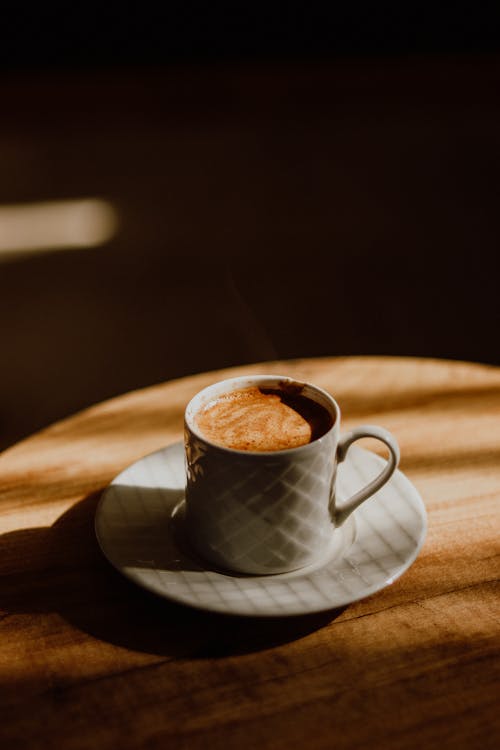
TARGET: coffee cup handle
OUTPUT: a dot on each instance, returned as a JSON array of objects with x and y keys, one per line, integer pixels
[{"x": 342, "y": 512}]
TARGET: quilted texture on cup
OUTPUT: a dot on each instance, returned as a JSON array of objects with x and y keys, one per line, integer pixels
[{"x": 260, "y": 514}]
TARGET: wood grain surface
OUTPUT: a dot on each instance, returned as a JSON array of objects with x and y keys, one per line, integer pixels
[{"x": 87, "y": 660}]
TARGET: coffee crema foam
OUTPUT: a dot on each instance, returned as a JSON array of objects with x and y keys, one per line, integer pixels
[{"x": 263, "y": 419}]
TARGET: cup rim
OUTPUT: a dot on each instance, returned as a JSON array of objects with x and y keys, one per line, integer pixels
[{"x": 241, "y": 381}]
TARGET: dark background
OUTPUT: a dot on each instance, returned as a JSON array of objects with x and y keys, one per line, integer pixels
[{"x": 289, "y": 181}]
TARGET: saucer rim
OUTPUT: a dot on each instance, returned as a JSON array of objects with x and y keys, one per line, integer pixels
[{"x": 130, "y": 574}]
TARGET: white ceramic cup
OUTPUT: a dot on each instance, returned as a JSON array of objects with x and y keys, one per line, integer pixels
[{"x": 264, "y": 512}]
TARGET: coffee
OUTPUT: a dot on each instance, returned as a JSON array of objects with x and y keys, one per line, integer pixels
[{"x": 263, "y": 419}]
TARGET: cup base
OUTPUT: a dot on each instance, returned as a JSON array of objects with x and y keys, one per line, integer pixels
[{"x": 339, "y": 542}]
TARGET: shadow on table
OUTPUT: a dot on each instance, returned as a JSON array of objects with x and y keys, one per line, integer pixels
[{"x": 63, "y": 571}]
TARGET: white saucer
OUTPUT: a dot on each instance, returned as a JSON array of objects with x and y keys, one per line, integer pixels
[{"x": 139, "y": 528}]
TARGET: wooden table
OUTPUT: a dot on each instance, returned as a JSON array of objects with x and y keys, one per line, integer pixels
[{"x": 88, "y": 660}]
